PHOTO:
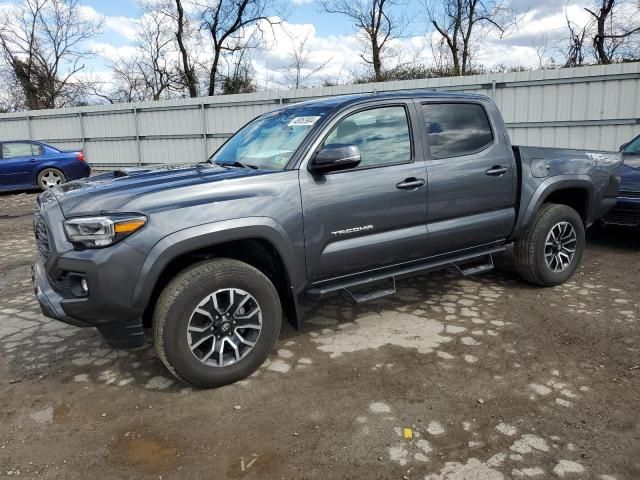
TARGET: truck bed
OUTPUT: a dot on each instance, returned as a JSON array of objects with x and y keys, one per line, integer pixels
[{"x": 589, "y": 171}]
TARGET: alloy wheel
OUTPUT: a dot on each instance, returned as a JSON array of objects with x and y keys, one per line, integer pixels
[
  {"x": 560, "y": 246},
  {"x": 50, "y": 179},
  {"x": 224, "y": 327}
]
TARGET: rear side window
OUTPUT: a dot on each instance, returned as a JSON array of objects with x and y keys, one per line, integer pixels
[
  {"x": 381, "y": 135},
  {"x": 14, "y": 150},
  {"x": 456, "y": 129}
]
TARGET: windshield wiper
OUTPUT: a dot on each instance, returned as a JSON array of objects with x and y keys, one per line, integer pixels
[{"x": 237, "y": 164}]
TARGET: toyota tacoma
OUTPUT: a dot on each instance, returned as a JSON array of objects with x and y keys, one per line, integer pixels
[{"x": 342, "y": 194}]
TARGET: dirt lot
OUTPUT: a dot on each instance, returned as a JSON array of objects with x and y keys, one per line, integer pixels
[{"x": 495, "y": 378}]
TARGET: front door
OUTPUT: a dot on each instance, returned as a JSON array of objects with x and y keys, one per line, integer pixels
[
  {"x": 373, "y": 215},
  {"x": 472, "y": 176},
  {"x": 17, "y": 162}
]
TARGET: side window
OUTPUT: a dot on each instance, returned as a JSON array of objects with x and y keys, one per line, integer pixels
[
  {"x": 13, "y": 150},
  {"x": 456, "y": 129},
  {"x": 633, "y": 148},
  {"x": 381, "y": 135},
  {"x": 36, "y": 149}
]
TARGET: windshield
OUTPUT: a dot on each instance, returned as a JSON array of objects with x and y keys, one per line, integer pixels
[
  {"x": 633, "y": 148},
  {"x": 269, "y": 141}
]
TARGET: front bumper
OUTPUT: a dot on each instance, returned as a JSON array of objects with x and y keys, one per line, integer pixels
[
  {"x": 626, "y": 213},
  {"x": 111, "y": 274},
  {"x": 49, "y": 300},
  {"x": 118, "y": 334}
]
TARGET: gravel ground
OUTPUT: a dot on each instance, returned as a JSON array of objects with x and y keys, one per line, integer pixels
[{"x": 482, "y": 378}]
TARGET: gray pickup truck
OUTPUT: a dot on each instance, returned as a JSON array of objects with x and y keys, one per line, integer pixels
[{"x": 343, "y": 194}]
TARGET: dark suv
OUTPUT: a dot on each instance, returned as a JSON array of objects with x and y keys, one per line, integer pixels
[
  {"x": 343, "y": 194},
  {"x": 626, "y": 213}
]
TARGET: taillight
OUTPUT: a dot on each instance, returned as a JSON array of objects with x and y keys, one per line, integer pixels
[{"x": 80, "y": 156}]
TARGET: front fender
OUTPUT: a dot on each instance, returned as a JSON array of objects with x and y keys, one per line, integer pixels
[
  {"x": 546, "y": 188},
  {"x": 211, "y": 234}
]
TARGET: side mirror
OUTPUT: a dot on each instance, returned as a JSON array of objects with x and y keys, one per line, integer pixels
[
  {"x": 335, "y": 157},
  {"x": 623, "y": 146}
]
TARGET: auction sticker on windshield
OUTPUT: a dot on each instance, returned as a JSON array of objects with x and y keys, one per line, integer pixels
[{"x": 303, "y": 121}]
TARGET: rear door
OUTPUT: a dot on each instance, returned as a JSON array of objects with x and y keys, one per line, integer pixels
[
  {"x": 373, "y": 215},
  {"x": 472, "y": 175},
  {"x": 19, "y": 160}
]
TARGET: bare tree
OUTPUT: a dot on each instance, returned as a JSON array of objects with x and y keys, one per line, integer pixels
[
  {"x": 239, "y": 77},
  {"x": 545, "y": 51},
  {"x": 611, "y": 31},
  {"x": 577, "y": 36},
  {"x": 185, "y": 31},
  {"x": 226, "y": 22},
  {"x": 377, "y": 20},
  {"x": 11, "y": 97},
  {"x": 128, "y": 85},
  {"x": 153, "y": 73},
  {"x": 461, "y": 22},
  {"x": 299, "y": 68},
  {"x": 43, "y": 43},
  {"x": 188, "y": 69},
  {"x": 155, "y": 64}
]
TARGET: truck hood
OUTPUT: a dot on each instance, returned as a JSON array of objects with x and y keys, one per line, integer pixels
[
  {"x": 630, "y": 178},
  {"x": 110, "y": 191}
]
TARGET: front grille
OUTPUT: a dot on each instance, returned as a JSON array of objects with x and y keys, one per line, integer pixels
[
  {"x": 42, "y": 236},
  {"x": 626, "y": 218},
  {"x": 629, "y": 194}
]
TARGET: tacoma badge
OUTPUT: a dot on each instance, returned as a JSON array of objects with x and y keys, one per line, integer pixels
[{"x": 347, "y": 231}]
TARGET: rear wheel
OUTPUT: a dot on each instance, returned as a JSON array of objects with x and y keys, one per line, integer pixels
[
  {"x": 50, "y": 177},
  {"x": 216, "y": 322},
  {"x": 550, "y": 250}
]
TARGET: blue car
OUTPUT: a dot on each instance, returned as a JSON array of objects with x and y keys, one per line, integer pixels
[
  {"x": 26, "y": 165},
  {"x": 626, "y": 213}
]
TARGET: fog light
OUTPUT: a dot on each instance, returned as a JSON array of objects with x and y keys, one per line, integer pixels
[{"x": 84, "y": 286}]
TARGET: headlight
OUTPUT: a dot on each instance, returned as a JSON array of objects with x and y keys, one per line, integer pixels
[{"x": 92, "y": 232}]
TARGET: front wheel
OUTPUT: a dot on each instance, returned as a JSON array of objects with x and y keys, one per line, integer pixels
[
  {"x": 550, "y": 250},
  {"x": 216, "y": 322}
]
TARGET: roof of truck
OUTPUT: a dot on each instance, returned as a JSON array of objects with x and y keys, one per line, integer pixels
[{"x": 342, "y": 100}]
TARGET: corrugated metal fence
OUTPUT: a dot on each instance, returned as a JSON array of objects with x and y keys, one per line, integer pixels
[{"x": 590, "y": 107}]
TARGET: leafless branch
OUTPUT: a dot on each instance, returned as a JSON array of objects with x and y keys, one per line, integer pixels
[
  {"x": 44, "y": 44},
  {"x": 462, "y": 23},
  {"x": 299, "y": 68},
  {"x": 377, "y": 20},
  {"x": 226, "y": 22}
]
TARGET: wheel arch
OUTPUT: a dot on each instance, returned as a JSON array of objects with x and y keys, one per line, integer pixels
[
  {"x": 265, "y": 246},
  {"x": 576, "y": 192},
  {"x": 46, "y": 166}
]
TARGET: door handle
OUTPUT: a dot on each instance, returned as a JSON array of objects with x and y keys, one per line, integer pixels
[
  {"x": 33, "y": 160},
  {"x": 497, "y": 171},
  {"x": 411, "y": 183}
]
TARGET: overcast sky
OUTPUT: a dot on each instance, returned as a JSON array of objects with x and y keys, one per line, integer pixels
[{"x": 333, "y": 39}]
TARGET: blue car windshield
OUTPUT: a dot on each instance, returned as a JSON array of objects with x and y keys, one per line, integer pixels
[{"x": 270, "y": 140}]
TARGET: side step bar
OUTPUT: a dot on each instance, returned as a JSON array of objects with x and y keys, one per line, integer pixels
[
  {"x": 373, "y": 293},
  {"x": 468, "y": 264},
  {"x": 474, "y": 268}
]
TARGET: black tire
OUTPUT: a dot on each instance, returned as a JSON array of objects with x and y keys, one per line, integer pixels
[
  {"x": 177, "y": 303},
  {"x": 529, "y": 249},
  {"x": 44, "y": 174}
]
